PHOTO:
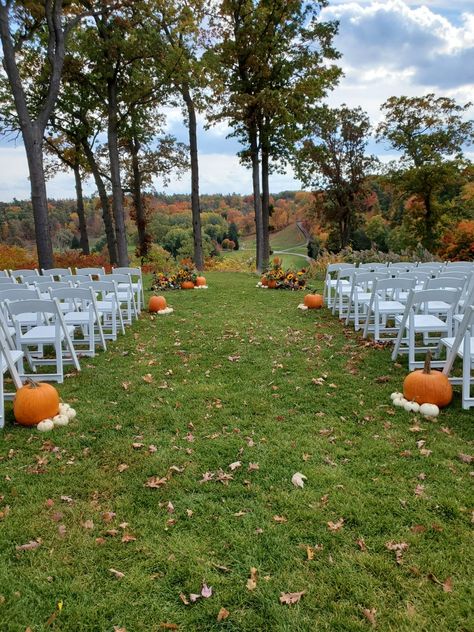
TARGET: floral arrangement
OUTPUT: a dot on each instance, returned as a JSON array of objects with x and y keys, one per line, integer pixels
[
  {"x": 186, "y": 272},
  {"x": 278, "y": 278}
]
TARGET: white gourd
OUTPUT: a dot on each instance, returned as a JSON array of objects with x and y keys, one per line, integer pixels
[
  {"x": 61, "y": 420},
  {"x": 412, "y": 407},
  {"x": 429, "y": 410},
  {"x": 71, "y": 413},
  {"x": 396, "y": 395},
  {"x": 45, "y": 426},
  {"x": 398, "y": 402}
]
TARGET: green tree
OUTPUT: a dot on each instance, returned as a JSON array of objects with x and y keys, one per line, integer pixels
[
  {"x": 430, "y": 133},
  {"x": 273, "y": 65},
  {"x": 34, "y": 31},
  {"x": 333, "y": 160}
]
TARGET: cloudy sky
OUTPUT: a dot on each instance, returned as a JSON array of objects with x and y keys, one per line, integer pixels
[{"x": 389, "y": 47}]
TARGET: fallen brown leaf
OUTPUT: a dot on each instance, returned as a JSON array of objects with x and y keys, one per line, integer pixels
[
  {"x": 280, "y": 519},
  {"x": 252, "y": 580},
  {"x": 465, "y": 458},
  {"x": 29, "y": 546},
  {"x": 117, "y": 574},
  {"x": 222, "y": 614},
  {"x": 122, "y": 467},
  {"x": 128, "y": 538},
  {"x": 148, "y": 378},
  {"x": 336, "y": 526},
  {"x": 291, "y": 598},
  {"x": 361, "y": 544},
  {"x": 369, "y": 614},
  {"x": 155, "y": 482}
]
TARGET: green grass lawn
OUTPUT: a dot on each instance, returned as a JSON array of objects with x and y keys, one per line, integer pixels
[{"x": 237, "y": 375}]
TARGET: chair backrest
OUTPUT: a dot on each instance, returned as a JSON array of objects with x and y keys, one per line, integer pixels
[
  {"x": 445, "y": 283},
  {"x": 419, "y": 298},
  {"x": 42, "y": 285},
  {"x": 6, "y": 280},
  {"x": 76, "y": 278},
  {"x": 16, "y": 274},
  {"x": 398, "y": 283},
  {"x": 79, "y": 293},
  {"x": 18, "y": 293},
  {"x": 118, "y": 278},
  {"x": 4, "y": 273},
  {"x": 365, "y": 279},
  {"x": 130, "y": 271},
  {"x": 33, "y": 306},
  {"x": 334, "y": 267},
  {"x": 101, "y": 287},
  {"x": 93, "y": 272},
  {"x": 55, "y": 272},
  {"x": 402, "y": 265}
]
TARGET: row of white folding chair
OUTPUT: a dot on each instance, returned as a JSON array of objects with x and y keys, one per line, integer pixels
[
  {"x": 353, "y": 300},
  {"x": 462, "y": 345}
]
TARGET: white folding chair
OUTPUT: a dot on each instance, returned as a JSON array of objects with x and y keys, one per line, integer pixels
[
  {"x": 50, "y": 330},
  {"x": 79, "y": 307},
  {"x": 43, "y": 287},
  {"x": 330, "y": 281},
  {"x": 108, "y": 305},
  {"x": 462, "y": 345},
  {"x": 342, "y": 290},
  {"x": 416, "y": 320},
  {"x": 76, "y": 279},
  {"x": 11, "y": 361},
  {"x": 15, "y": 293},
  {"x": 384, "y": 306},
  {"x": 125, "y": 294},
  {"x": 7, "y": 280},
  {"x": 137, "y": 284}
]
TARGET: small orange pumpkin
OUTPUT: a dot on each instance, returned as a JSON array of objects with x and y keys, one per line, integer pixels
[
  {"x": 428, "y": 387},
  {"x": 272, "y": 284},
  {"x": 313, "y": 301},
  {"x": 34, "y": 402},
  {"x": 156, "y": 304},
  {"x": 187, "y": 285},
  {"x": 277, "y": 261},
  {"x": 264, "y": 281},
  {"x": 200, "y": 280}
]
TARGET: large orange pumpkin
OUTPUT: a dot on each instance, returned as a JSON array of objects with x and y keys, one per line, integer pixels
[
  {"x": 313, "y": 301},
  {"x": 187, "y": 285},
  {"x": 272, "y": 284},
  {"x": 200, "y": 280},
  {"x": 156, "y": 304},
  {"x": 264, "y": 281},
  {"x": 428, "y": 387},
  {"x": 34, "y": 402}
]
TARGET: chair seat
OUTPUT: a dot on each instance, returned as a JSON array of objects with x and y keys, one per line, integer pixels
[
  {"x": 15, "y": 355},
  {"x": 390, "y": 307},
  {"x": 44, "y": 334},
  {"x": 425, "y": 323},
  {"x": 104, "y": 306},
  {"x": 364, "y": 297},
  {"x": 448, "y": 342},
  {"x": 78, "y": 318}
]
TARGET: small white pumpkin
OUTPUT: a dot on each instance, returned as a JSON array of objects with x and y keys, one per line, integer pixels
[
  {"x": 399, "y": 402},
  {"x": 61, "y": 420},
  {"x": 429, "y": 410},
  {"x": 45, "y": 426},
  {"x": 71, "y": 413},
  {"x": 396, "y": 395},
  {"x": 412, "y": 407},
  {"x": 63, "y": 408}
]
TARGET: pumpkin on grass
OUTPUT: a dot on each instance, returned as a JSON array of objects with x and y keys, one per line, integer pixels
[
  {"x": 264, "y": 281},
  {"x": 313, "y": 301},
  {"x": 187, "y": 285},
  {"x": 428, "y": 387},
  {"x": 272, "y": 284},
  {"x": 201, "y": 281},
  {"x": 34, "y": 402},
  {"x": 156, "y": 303}
]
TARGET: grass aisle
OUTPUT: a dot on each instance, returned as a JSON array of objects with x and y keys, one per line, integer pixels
[{"x": 237, "y": 376}]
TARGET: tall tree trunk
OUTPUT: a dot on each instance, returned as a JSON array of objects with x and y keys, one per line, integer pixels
[
  {"x": 195, "y": 204},
  {"x": 265, "y": 206},
  {"x": 104, "y": 201},
  {"x": 39, "y": 200},
  {"x": 257, "y": 200},
  {"x": 429, "y": 236},
  {"x": 84, "y": 239},
  {"x": 144, "y": 238},
  {"x": 117, "y": 192},
  {"x": 32, "y": 129}
]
